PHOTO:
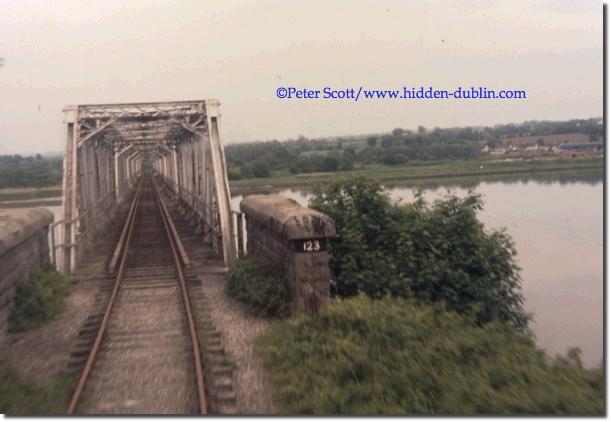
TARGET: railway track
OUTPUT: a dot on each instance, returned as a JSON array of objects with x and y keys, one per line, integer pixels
[{"x": 145, "y": 357}]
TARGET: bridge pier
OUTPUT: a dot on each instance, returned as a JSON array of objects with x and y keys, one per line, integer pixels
[{"x": 294, "y": 238}]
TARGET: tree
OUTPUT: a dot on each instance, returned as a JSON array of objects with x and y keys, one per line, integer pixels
[
  {"x": 372, "y": 141},
  {"x": 233, "y": 175},
  {"x": 433, "y": 252},
  {"x": 261, "y": 169},
  {"x": 329, "y": 164},
  {"x": 397, "y": 132},
  {"x": 18, "y": 171},
  {"x": 346, "y": 164},
  {"x": 391, "y": 158},
  {"x": 387, "y": 141},
  {"x": 349, "y": 153},
  {"x": 540, "y": 142},
  {"x": 494, "y": 143}
]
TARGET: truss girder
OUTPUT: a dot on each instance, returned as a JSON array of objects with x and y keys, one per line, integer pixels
[{"x": 106, "y": 145}]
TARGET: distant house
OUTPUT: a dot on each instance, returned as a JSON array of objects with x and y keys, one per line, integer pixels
[{"x": 588, "y": 146}]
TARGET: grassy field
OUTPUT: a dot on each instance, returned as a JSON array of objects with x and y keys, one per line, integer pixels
[
  {"x": 13, "y": 194},
  {"x": 424, "y": 173}
]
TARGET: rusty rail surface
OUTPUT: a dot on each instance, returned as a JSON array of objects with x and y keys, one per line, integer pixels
[
  {"x": 180, "y": 259},
  {"x": 178, "y": 249}
]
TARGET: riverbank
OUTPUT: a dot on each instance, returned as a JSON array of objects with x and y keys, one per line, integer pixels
[
  {"x": 20, "y": 194},
  {"x": 425, "y": 174},
  {"x": 419, "y": 174}
]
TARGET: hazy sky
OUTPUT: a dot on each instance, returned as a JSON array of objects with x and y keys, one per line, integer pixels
[{"x": 92, "y": 51}]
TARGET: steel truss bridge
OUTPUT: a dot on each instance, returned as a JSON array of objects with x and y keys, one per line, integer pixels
[{"x": 106, "y": 147}]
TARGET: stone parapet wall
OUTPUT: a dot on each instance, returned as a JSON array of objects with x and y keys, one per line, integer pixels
[
  {"x": 294, "y": 238},
  {"x": 24, "y": 248}
]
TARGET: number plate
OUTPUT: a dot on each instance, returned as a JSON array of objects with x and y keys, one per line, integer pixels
[{"x": 311, "y": 245}]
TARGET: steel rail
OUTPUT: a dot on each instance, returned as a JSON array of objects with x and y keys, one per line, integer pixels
[
  {"x": 174, "y": 243},
  {"x": 165, "y": 213},
  {"x": 102, "y": 329},
  {"x": 121, "y": 243}
]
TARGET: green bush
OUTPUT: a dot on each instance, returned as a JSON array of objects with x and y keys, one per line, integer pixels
[
  {"x": 233, "y": 174},
  {"x": 38, "y": 299},
  {"x": 260, "y": 286},
  {"x": 21, "y": 395},
  {"x": 391, "y": 356},
  {"x": 433, "y": 252}
]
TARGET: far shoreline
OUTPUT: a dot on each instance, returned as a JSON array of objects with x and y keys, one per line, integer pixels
[{"x": 419, "y": 175}]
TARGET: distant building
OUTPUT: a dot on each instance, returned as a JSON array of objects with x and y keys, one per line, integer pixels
[{"x": 588, "y": 146}]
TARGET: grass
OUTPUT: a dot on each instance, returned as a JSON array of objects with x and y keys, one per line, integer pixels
[
  {"x": 390, "y": 356},
  {"x": 38, "y": 299},
  {"x": 259, "y": 286},
  {"x": 427, "y": 172},
  {"x": 14, "y": 194},
  {"x": 23, "y": 395}
]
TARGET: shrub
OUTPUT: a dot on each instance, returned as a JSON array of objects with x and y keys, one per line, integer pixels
[
  {"x": 433, "y": 252},
  {"x": 38, "y": 299},
  {"x": 261, "y": 169},
  {"x": 391, "y": 356},
  {"x": 20, "y": 394},
  {"x": 260, "y": 286},
  {"x": 257, "y": 169},
  {"x": 233, "y": 175}
]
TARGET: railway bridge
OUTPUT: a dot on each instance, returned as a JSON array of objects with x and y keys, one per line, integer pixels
[
  {"x": 107, "y": 146},
  {"x": 147, "y": 219}
]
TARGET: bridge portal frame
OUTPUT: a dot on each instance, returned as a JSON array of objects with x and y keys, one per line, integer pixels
[{"x": 106, "y": 144}]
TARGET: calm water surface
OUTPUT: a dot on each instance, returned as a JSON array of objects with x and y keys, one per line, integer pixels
[{"x": 558, "y": 231}]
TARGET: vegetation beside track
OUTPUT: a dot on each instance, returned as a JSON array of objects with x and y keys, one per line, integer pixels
[
  {"x": 427, "y": 318},
  {"x": 431, "y": 252},
  {"x": 259, "y": 286},
  {"x": 23, "y": 395},
  {"x": 38, "y": 299},
  {"x": 391, "y": 356}
]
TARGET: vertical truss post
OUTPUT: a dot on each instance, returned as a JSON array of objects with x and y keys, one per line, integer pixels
[
  {"x": 69, "y": 188},
  {"x": 220, "y": 178},
  {"x": 119, "y": 170},
  {"x": 130, "y": 167},
  {"x": 175, "y": 162}
]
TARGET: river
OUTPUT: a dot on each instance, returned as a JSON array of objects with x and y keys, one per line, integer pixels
[{"x": 557, "y": 226}]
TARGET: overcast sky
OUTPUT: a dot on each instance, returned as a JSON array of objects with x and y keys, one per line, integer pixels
[{"x": 240, "y": 52}]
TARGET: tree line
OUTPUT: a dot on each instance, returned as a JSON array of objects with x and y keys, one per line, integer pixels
[
  {"x": 29, "y": 171},
  {"x": 398, "y": 147},
  {"x": 264, "y": 158}
]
